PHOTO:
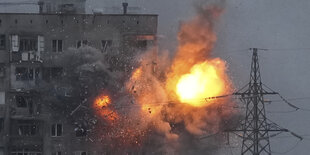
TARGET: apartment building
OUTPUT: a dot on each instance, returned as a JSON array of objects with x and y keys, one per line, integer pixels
[{"x": 28, "y": 40}]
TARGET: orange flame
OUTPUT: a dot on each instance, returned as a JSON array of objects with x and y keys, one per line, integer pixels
[
  {"x": 101, "y": 105},
  {"x": 194, "y": 74},
  {"x": 136, "y": 74}
]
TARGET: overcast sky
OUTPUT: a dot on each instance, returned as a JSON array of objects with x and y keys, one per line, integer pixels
[{"x": 280, "y": 25}]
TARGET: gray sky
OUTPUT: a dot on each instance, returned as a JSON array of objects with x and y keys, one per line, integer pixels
[
  {"x": 281, "y": 25},
  {"x": 272, "y": 24}
]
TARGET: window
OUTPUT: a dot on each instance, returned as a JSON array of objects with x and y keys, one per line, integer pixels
[
  {"x": 81, "y": 43},
  {"x": 2, "y": 71},
  {"x": 50, "y": 73},
  {"x": 141, "y": 44},
  {"x": 106, "y": 44},
  {"x": 24, "y": 74},
  {"x": 80, "y": 153},
  {"x": 28, "y": 44},
  {"x": 1, "y": 124},
  {"x": 56, "y": 130},
  {"x": 14, "y": 43},
  {"x": 27, "y": 128},
  {"x": 21, "y": 101},
  {"x": 56, "y": 153},
  {"x": 57, "y": 46},
  {"x": 2, "y": 41},
  {"x": 48, "y": 7}
]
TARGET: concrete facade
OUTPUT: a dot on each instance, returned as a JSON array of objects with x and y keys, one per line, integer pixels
[{"x": 27, "y": 42}]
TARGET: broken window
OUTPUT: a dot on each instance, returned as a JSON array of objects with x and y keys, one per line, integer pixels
[
  {"x": 28, "y": 128},
  {"x": 80, "y": 132},
  {"x": 57, "y": 46},
  {"x": 2, "y": 41},
  {"x": 28, "y": 44},
  {"x": 56, "y": 130},
  {"x": 24, "y": 74},
  {"x": 106, "y": 44},
  {"x": 81, "y": 43}
]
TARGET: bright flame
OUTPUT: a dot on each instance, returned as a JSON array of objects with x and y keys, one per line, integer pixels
[
  {"x": 101, "y": 105},
  {"x": 136, "y": 74},
  {"x": 204, "y": 80}
]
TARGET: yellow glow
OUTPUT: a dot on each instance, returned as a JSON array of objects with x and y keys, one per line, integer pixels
[{"x": 202, "y": 81}]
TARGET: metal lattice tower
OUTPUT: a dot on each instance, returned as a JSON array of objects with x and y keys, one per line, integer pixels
[{"x": 256, "y": 127}]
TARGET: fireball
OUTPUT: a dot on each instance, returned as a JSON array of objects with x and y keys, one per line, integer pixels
[{"x": 204, "y": 80}]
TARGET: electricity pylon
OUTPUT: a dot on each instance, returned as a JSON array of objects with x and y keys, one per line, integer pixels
[{"x": 256, "y": 128}]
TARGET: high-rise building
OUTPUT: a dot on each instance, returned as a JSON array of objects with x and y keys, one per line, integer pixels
[{"x": 27, "y": 40}]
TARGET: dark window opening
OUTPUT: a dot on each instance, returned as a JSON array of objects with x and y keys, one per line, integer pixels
[
  {"x": 56, "y": 153},
  {"x": 50, "y": 73},
  {"x": 30, "y": 21},
  {"x": 57, "y": 130},
  {"x": 141, "y": 44},
  {"x": 2, "y": 41},
  {"x": 16, "y": 21},
  {"x": 82, "y": 43},
  {"x": 21, "y": 102},
  {"x": 46, "y": 22},
  {"x": 2, "y": 71},
  {"x": 1, "y": 124},
  {"x": 24, "y": 74},
  {"x": 57, "y": 46},
  {"x": 29, "y": 44},
  {"x": 28, "y": 128}
]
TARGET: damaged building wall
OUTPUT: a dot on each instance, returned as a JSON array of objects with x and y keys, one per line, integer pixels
[{"x": 29, "y": 43}]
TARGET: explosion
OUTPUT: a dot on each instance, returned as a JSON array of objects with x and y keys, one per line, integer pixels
[
  {"x": 169, "y": 100},
  {"x": 204, "y": 80},
  {"x": 101, "y": 105}
]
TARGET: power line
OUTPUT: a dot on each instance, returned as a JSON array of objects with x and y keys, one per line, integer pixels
[
  {"x": 288, "y": 150},
  {"x": 256, "y": 126}
]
